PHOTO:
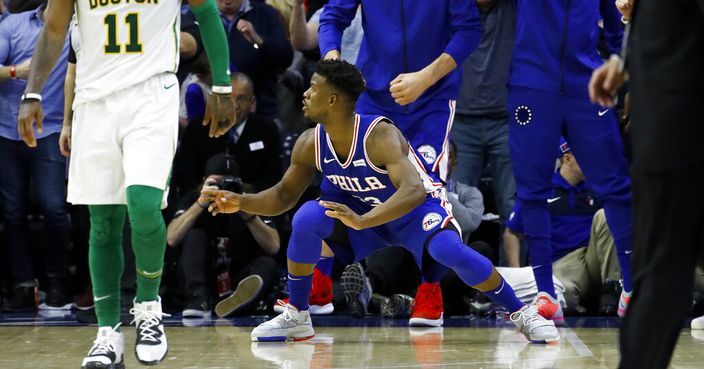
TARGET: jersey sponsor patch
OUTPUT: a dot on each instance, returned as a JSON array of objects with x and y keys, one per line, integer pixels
[
  {"x": 431, "y": 220},
  {"x": 428, "y": 153},
  {"x": 359, "y": 163}
]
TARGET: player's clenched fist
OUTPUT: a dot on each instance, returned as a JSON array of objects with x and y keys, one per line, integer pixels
[
  {"x": 221, "y": 202},
  {"x": 220, "y": 113}
]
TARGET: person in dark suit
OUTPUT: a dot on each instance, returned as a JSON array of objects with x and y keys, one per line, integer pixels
[
  {"x": 254, "y": 142},
  {"x": 665, "y": 59}
]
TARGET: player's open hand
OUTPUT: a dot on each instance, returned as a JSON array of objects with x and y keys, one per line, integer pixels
[
  {"x": 221, "y": 202},
  {"x": 29, "y": 113},
  {"x": 344, "y": 214},
  {"x": 220, "y": 113},
  {"x": 407, "y": 87},
  {"x": 605, "y": 81}
]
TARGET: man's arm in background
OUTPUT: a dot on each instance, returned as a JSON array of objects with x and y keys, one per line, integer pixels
[{"x": 335, "y": 18}]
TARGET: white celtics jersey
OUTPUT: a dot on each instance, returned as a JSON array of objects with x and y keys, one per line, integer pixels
[{"x": 124, "y": 42}]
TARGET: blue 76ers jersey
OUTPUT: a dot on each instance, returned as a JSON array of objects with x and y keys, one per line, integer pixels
[{"x": 358, "y": 176}]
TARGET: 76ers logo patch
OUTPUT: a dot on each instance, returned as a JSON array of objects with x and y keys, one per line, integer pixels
[
  {"x": 428, "y": 153},
  {"x": 431, "y": 220},
  {"x": 523, "y": 115}
]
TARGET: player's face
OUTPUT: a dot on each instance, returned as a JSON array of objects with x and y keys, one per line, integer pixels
[{"x": 316, "y": 99}]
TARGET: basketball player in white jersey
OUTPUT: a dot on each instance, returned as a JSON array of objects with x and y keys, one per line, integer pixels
[{"x": 123, "y": 141}]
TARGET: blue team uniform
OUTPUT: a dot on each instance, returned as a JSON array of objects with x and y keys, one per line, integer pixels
[
  {"x": 405, "y": 37},
  {"x": 359, "y": 184},
  {"x": 555, "y": 53},
  {"x": 572, "y": 210}
]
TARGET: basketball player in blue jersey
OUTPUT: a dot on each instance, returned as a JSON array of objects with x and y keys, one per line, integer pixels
[{"x": 377, "y": 194}]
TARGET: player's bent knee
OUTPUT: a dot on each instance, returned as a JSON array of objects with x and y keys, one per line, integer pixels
[{"x": 311, "y": 217}]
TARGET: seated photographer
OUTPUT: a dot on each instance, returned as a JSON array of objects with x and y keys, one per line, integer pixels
[{"x": 233, "y": 252}]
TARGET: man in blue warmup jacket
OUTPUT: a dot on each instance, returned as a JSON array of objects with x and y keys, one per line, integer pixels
[
  {"x": 555, "y": 53},
  {"x": 409, "y": 58}
]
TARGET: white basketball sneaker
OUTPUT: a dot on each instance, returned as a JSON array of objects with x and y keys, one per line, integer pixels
[
  {"x": 107, "y": 351},
  {"x": 549, "y": 308},
  {"x": 292, "y": 324},
  {"x": 151, "y": 345},
  {"x": 536, "y": 328}
]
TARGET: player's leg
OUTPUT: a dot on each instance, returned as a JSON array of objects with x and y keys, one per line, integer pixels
[
  {"x": 106, "y": 262},
  {"x": 595, "y": 139},
  {"x": 96, "y": 178},
  {"x": 310, "y": 226},
  {"x": 149, "y": 144},
  {"x": 320, "y": 300},
  {"x": 534, "y": 133},
  {"x": 446, "y": 247}
]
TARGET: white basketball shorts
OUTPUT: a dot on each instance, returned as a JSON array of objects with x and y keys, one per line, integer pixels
[{"x": 127, "y": 138}]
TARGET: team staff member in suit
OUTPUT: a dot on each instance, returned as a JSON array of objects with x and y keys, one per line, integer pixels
[{"x": 665, "y": 58}]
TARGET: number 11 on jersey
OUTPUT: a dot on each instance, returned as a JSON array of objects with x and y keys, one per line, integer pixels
[{"x": 112, "y": 46}]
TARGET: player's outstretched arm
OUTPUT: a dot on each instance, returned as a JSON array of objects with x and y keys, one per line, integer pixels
[
  {"x": 277, "y": 199},
  {"x": 386, "y": 147},
  {"x": 220, "y": 106},
  {"x": 50, "y": 43}
]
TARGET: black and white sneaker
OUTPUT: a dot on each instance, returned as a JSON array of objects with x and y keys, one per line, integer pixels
[
  {"x": 151, "y": 345},
  {"x": 107, "y": 351}
]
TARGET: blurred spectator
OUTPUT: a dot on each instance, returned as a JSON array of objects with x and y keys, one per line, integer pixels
[
  {"x": 41, "y": 170},
  {"x": 254, "y": 141},
  {"x": 583, "y": 252},
  {"x": 242, "y": 244},
  {"x": 284, "y": 8},
  {"x": 467, "y": 201},
  {"x": 480, "y": 129},
  {"x": 258, "y": 47}
]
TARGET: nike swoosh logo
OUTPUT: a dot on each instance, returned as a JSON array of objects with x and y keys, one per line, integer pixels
[
  {"x": 537, "y": 266},
  {"x": 550, "y": 201},
  {"x": 628, "y": 252},
  {"x": 150, "y": 275},
  {"x": 96, "y": 298},
  {"x": 503, "y": 283},
  {"x": 169, "y": 86},
  {"x": 326, "y": 160},
  {"x": 601, "y": 113}
]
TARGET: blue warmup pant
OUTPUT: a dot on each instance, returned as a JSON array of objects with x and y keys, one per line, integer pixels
[
  {"x": 537, "y": 119},
  {"x": 427, "y": 129}
]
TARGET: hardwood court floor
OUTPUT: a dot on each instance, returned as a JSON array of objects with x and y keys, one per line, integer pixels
[{"x": 222, "y": 345}]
